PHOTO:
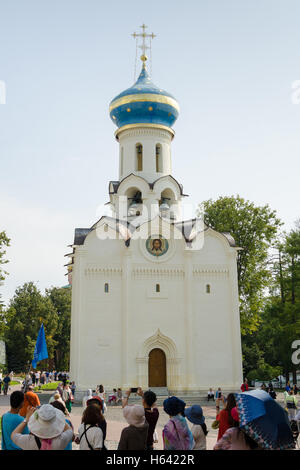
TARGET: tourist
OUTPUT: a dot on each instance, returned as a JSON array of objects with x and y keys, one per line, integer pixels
[
  {"x": 87, "y": 397},
  {"x": 48, "y": 430},
  {"x": 0, "y": 383},
  {"x": 73, "y": 388},
  {"x": 96, "y": 400},
  {"x": 219, "y": 397},
  {"x": 272, "y": 392},
  {"x": 61, "y": 406},
  {"x": 199, "y": 430},
  {"x": 67, "y": 397},
  {"x": 33, "y": 378},
  {"x": 90, "y": 435},
  {"x": 112, "y": 398},
  {"x": 288, "y": 386},
  {"x": 37, "y": 377},
  {"x": 210, "y": 395},
  {"x": 134, "y": 436},
  {"x": 224, "y": 417},
  {"x": 245, "y": 386},
  {"x": 119, "y": 396},
  {"x": 11, "y": 420},
  {"x": 102, "y": 395},
  {"x": 6, "y": 382},
  {"x": 151, "y": 413},
  {"x": 31, "y": 399},
  {"x": 295, "y": 389},
  {"x": 291, "y": 404},
  {"x": 176, "y": 433},
  {"x": 57, "y": 397},
  {"x": 235, "y": 438}
]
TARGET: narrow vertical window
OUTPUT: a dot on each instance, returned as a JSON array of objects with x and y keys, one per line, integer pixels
[
  {"x": 139, "y": 157},
  {"x": 208, "y": 288},
  {"x": 106, "y": 288},
  {"x": 105, "y": 228},
  {"x": 158, "y": 156},
  {"x": 157, "y": 288},
  {"x": 122, "y": 161}
]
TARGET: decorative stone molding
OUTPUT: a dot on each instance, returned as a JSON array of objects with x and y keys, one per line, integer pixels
[
  {"x": 156, "y": 273},
  {"x": 159, "y": 340},
  {"x": 211, "y": 271},
  {"x": 107, "y": 271},
  {"x": 145, "y": 132}
]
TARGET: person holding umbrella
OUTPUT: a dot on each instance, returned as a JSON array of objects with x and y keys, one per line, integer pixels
[
  {"x": 235, "y": 438},
  {"x": 264, "y": 420}
]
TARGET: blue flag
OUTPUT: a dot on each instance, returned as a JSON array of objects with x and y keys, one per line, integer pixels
[{"x": 40, "y": 350}]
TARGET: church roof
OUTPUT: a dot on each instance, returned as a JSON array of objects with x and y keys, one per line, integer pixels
[{"x": 144, "y": 103}]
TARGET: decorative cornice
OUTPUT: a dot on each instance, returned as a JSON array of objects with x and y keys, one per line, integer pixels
[
  {"x": 145, "y": 128},
  {"x": 144, "y": 272},
  {"x": 103, "y": 270},
  {"x": 211, "y": 270}
]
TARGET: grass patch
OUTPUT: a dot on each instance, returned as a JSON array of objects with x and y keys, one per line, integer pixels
[{"x": 50, "y": 387}]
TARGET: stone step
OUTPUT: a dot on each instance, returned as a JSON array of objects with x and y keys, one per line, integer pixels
[{"x": 160, "y": 391}]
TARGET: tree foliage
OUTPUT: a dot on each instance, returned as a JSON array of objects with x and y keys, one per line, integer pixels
[
  {"x": 27, "y": 311},
  {"x": 61, "y": 301},
  {"x": 254, "y": 229},
  {"x": 4, "y": 243}
]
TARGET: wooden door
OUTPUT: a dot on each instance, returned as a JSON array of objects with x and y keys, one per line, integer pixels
[{"x": 157, "y": 368}]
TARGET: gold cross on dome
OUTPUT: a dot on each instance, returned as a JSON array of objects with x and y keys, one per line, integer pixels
[{"x": 144, "y": 37}]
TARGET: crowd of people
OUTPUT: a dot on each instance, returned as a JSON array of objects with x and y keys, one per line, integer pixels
[{"x": 28, "y": 425}]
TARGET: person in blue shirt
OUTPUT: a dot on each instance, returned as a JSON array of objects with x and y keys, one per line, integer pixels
[{"x": 11, "y": 420}]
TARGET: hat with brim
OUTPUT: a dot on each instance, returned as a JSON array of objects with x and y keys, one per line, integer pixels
[
  {"x": 47, "y": 422},
  {"x": 195, "y": 414},
  {"x": 134, "y": 415}
]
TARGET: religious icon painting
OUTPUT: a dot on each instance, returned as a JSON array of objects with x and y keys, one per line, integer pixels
[{"x": 157, "y": 245}]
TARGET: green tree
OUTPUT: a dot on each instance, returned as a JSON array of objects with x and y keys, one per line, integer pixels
[
  {"x": 4, "y": 243},
  {"x": 254, "y": 229},
  {"x": 61, "y": 300},
  {"x": 27, "y": 311}
]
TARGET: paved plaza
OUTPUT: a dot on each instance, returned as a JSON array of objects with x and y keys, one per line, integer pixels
[{"x": 116, "y": 422}]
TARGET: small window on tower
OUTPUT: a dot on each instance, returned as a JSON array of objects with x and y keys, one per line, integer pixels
[
  {"x": 105, "y": 228},
  {"x": 106, "y": 288},
  {"x": 157, "y": 288},
  {"x": 158, "y": 157},
  {"x": 139, "y": 157},
  {"x": 208, "y": 288}
]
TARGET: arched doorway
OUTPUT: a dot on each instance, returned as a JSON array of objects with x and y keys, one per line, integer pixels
[{"x": 157, "y": 368}]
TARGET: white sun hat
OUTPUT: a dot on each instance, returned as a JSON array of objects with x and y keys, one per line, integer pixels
[{"x": 47, "y": 422}]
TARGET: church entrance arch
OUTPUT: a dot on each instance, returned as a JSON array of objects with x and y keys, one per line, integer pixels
[{"x": 157, "y": 368}]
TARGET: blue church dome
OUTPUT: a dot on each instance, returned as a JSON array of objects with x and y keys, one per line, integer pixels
[{"x": 144, "y": 103}]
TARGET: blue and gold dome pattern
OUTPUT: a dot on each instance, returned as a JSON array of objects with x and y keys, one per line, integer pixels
[{"x": 144, "y": 103}]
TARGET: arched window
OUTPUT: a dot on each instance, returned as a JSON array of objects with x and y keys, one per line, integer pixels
[
  {"x": 158, "y": 156},
  {"x": 106, "y": 288},
  {"x": 122, "y": 161},
  {"x": 105, "y": 228},
  {"x": 157, "y": 288},
  {"x": 139, "y": 157},
  {"x": 208, "y": 288}
]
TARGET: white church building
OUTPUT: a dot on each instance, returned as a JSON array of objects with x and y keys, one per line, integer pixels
[{"x": 154, "y": 297}]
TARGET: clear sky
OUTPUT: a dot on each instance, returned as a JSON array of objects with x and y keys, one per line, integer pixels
[{"x": 230, "y": 64}]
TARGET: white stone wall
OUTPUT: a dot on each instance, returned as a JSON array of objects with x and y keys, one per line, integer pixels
[{"x": 113, "y": 333}]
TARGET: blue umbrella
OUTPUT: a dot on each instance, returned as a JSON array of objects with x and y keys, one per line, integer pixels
[{"x": 264, "y": 420}]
